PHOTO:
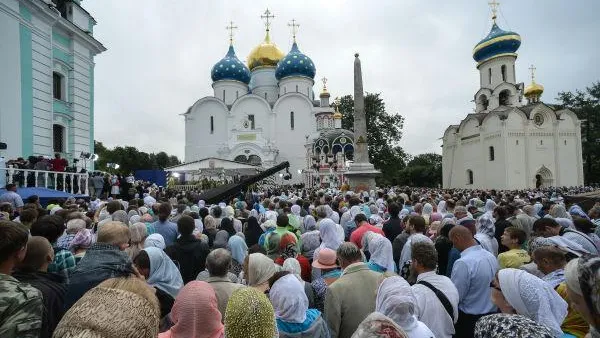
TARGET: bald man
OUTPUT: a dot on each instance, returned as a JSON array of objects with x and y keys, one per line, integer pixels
[
  {"x": 34, "y": 271},
  {"x": 472, "y": 274}
]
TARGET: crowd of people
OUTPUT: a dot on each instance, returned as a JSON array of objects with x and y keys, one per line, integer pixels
[{"x": 392, "y": 262}]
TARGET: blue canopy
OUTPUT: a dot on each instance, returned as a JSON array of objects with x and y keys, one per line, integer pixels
[{"x": 45, "y": 194}]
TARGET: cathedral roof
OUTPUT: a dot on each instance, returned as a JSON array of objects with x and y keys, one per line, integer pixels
[
  {"x": 498, "y": 42},
  {"x": 266, "y": 54},
  {"x": 295, "y": 63},
  {"x": 230, "y": 68}
]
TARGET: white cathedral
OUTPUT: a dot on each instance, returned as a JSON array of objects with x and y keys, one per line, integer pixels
[
  {"x": 508, "y": 143},
  {"x": 266, "y": 113}
]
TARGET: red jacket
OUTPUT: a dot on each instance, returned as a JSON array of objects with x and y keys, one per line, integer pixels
[
  {"x": 305, "y": 268},
  {"x": 358, "y": 234}
]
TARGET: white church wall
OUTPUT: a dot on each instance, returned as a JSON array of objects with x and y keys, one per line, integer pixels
[
  {"x": 496, "y": 70},
  {"x": 515, "y": 159},
  {"x": 567, "y": 158},
  {"x": 264, "y": 84},
  {"x": 42, "y": 67},
  {"x": 202, "y": 141},
  {"x": 229, "y": 91},
  {"x": 252, "y": 105},
  {"x": 296, "y": 84},
  {"x": 290, "y": 141},
  {"x": 10, "y": 81}
]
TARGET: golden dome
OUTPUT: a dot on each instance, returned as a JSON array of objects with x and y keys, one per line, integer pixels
[
  {"x": 534, "y": 89},
  {"x": 267, "y": 54},
  {"x": 337, "y": 115}
]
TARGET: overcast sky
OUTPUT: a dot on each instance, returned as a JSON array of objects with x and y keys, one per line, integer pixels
[{"x": 417, "y": 54}]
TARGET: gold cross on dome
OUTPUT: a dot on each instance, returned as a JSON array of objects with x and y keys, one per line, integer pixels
[
  {"x": 324, "y": 80},
  {"x": 294, "y": 26},
  {"x": 494, "y": 4},
  {"x": 532, "y": 70},
  {"x": 230, "y": 28},
  {"x": 267, "y": 17}
]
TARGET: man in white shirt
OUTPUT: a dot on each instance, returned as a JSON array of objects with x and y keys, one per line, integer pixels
[
  {"x": 438, "y": 311},
  {"x": 416, "y": 228},
  {"x": 11, "y": 196}
]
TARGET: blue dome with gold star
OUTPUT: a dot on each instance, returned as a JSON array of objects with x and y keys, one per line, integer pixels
[
  {"x": 230, "y": 68},
  {"x": 295, "y": 63},
  {"x": 497, "y": 43}
]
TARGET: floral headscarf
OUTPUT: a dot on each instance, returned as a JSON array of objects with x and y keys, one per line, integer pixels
[
  {"x": 249, "y": 314},
  {"x": 503, "y": 325}
]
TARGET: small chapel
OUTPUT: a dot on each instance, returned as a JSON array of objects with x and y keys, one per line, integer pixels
[
  {"x": 265, "y": 112},
  {"x": 513, "y": 140}
]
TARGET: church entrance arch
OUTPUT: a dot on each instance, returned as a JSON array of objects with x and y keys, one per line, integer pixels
[{"x": 543, "y": 178}]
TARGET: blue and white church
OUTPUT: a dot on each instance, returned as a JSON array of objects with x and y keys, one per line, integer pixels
[
  {"x": 265, "y": 112},
  {"x": 47, "y": 51},
  {"x": 512, "y": 140}
]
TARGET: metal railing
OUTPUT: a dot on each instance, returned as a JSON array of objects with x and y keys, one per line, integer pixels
[{"x": 73, "y": 183}]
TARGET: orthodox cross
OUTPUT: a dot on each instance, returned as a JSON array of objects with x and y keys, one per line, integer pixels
[
  {"x": 324, "y": 80},
  {"x": 267, "y": 16},
  {"x": 494, "y": 4},
  {"x": 294, "y": 26},
  {"x": 532, "y": 70},
  {"x": 230, "y": 28}
]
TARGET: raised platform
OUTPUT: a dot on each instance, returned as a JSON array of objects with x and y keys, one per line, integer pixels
[{"x": 361, "y": 176}]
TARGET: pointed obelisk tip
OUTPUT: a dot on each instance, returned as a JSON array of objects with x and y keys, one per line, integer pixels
[{"x": 355, "y": 55}]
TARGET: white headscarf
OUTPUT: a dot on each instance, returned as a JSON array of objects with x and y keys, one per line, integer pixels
[
  {"x": 533, "y": 298},
  {"x": 396, "y": 300},
  {"x": 260, "y": 269},
  {"x": 427, "y": 209},
  {"x": 292, "y": 265},
  {"x": 329, "y": 236},
  {"x": 441, "y": 208},
  {"x": 381, "y": 252},
  {"x": 289, "y": 299},
  {"x": 155, "y": 240},
  {"x": 163, "y": 272}
]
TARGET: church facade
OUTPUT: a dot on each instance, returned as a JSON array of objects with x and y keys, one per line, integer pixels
[
  {"x": 513, "y": 140},
  {"x": 266, "y": 112},
  {"x": 47, "y": 96}
]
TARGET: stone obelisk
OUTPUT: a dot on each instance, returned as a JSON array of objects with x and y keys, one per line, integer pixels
[{"x": 361, "y": 173}]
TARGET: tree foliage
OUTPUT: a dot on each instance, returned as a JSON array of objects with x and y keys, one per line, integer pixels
[
  {"x": 586, "y": 104},
  {"x": 384, "y": 132},
  {"x": 424, "y": 170},
  {"x": 131, "y": 159}
]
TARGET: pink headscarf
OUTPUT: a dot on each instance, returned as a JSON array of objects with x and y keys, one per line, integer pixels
[{"x": 195, "y": 313}]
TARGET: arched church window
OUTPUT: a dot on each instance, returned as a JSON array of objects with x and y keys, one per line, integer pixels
[
  {"x": 58, "y": 82},
  {"x": 469, "y": 176},
  {"x": 492, "y": 155},
  {"x": 237, "y": 95},
  {"x": 223, "y": 95},
  {"x": 490, "y": 75},
  {"x": 308, "y": 92},
  {"x": 565, "y": 142},
  {"x": 503, "y": 97},
  {"x": 212, "y": 124},
  {"x": 284, "y": 89},
  {"x": 517, "y": 142},
  {"x": 296, "y": 88},
  {"x": 503, "y": 70},
  {"x": 58, "y": 138},
  {"x": 292, "y": 120},
  {"x": 484, "y": 102},
  {"x": 265, "y": 96}
]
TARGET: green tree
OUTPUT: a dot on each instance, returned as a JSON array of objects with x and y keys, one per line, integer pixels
[
  {"x": 586, "y": 104},
  {"x": 424, "y": 170},
  {"x": 131, "y": 159},
  {"x": 384, "y": 132}
]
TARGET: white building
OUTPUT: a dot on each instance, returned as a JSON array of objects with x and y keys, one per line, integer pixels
[
  {"x": 47, "y": 54},
  {"x": 263, "y": 113},
  {"x": 508, "y": 143}
]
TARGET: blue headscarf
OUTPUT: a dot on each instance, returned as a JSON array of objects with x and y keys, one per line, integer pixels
[
  {"x": 164, "y": 274},
  {"x": 238, "y": 248}
]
